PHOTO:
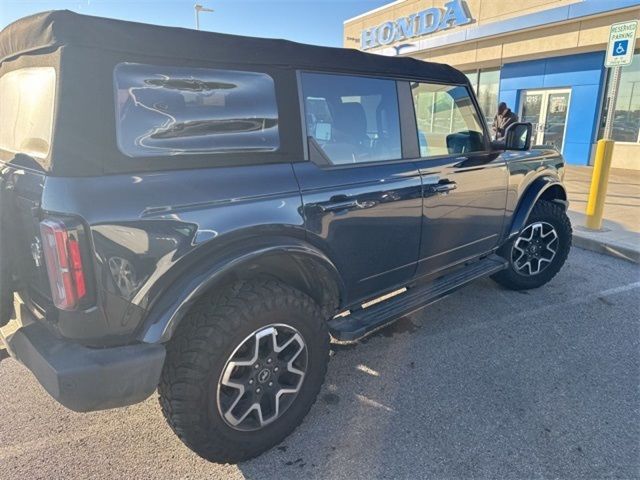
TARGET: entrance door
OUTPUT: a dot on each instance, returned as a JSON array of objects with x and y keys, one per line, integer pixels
[{"x": 547, "y": 111}]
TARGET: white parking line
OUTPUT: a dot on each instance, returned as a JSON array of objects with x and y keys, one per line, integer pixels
[{"x": 373, "y": 403}]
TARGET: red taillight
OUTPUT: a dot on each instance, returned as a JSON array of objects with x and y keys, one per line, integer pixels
[{"x": 64, "y": 265}]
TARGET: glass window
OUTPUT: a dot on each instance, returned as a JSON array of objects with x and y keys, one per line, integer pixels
[
  {"x": 447, "y": 120},
  {"x": 487, "y": 92},
  {"x": 178, "y": 110},
  {"x": 352, "y": 119},
  {"x": 26, "y": 105},
  {"x": 626, "y": 120},
  {"x": 473, "y": 79}
]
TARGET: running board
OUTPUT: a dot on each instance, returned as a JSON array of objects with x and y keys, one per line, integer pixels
[{"x": 365, "y": 321}]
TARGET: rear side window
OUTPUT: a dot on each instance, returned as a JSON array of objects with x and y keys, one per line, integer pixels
[
  {"x": 27, "y": 99},
  {"x": 352, "y": 119},
  {"x": 447, "y": 120},
  {"x": 179, "y": 110}
]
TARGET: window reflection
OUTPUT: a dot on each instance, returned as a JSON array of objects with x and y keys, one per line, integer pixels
[
  {"x": 486, "y": 85},
  {"x": 447, "y": 120},
  {"x": 488, "y": 91},
  {"x": 626, "y": 120},
  {"x": 174, "y": 110}
]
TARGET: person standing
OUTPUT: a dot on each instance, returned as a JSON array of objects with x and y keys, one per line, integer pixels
[{"x": 502, "y": 120}]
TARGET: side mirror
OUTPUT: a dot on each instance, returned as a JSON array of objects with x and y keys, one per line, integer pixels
[{"x": 518, "y": 136}]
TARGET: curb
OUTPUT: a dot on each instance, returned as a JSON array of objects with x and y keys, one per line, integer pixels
[{"x": 607, "y": 248}]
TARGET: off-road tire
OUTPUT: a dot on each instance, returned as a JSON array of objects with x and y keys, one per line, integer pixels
[
  {"x": 551, "y": 213},
  {"x": 204, "y": 342}
]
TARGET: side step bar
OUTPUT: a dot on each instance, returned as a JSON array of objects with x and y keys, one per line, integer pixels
[{"x": 364, "y": 321}]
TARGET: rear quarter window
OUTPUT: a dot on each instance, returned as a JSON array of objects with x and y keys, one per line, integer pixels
[
  {"x": 180, "y": 110},
  {"x": 27, "y": 102}
]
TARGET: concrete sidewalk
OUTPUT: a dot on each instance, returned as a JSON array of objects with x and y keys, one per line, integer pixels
[{"x": 620, "y": 234}]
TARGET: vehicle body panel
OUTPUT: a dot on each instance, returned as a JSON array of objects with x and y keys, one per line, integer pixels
[
  {"x": 541, "y": 164},
  {"x": 374, "y": 239},
  {"x": 467, "y": 221},
  {"x": 148, "y": 229}
]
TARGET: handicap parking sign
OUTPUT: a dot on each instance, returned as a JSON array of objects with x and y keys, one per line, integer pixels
[
  {"x": 622, "y": 39},
  {"x": 620, "y": 48}
]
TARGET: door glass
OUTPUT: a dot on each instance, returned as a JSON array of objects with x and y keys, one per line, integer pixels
[
  {"x": 352, "y": 119},
  {"x": 531, "y": 112},
  {"x": 447, "y": 120},
  {"x": 557, "y": 106}
]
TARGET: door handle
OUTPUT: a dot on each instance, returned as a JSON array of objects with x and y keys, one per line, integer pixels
[
  {"x": 443, "y": 187},
  {"x": 346, "y": 205},
  {"x": 332, "y": 207}
]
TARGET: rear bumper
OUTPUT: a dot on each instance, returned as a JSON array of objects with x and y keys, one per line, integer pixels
[{"x": 86, "y": 379}]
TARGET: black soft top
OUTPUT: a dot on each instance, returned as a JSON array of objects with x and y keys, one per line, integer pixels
[
  {"x": 85, "y": 51},
  {"x": 49, "y": 30}
]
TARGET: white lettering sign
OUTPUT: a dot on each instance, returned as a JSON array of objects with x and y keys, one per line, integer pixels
[{"x": 418, "y": 24}]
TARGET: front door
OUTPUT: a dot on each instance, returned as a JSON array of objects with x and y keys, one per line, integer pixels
[
  {"x": 362, "y": 200},
  {"x": 464, "y": 182},
  {"x": 547, "y": 110}
]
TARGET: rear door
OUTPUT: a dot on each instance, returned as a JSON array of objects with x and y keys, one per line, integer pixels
[
  {"x": 464, "y": 182},
  {"x": 362, "y": 199}
]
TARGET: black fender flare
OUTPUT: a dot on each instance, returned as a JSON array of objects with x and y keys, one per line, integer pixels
[
  {"x": 540, "y": 187},
  {"x": 164, "y": 317}
]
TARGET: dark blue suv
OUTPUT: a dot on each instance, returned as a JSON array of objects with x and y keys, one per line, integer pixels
[{"x": 201, "y": 213}]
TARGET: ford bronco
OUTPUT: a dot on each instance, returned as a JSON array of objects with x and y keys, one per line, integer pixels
[{"x": 200, "y": 214}]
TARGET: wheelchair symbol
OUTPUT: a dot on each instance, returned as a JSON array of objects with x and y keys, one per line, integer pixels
[{"x": 620, "y": 48}]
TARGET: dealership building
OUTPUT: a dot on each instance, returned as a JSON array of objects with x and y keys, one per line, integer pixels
[{"x": 544, "y": 58}]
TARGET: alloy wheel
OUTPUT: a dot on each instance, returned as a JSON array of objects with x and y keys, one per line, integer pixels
[
  {"x": 534, "y": 249},
  {"x": 262, "y": 377}
]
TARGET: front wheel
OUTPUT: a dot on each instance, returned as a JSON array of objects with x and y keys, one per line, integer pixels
[
  {"x": 244, "y": 369},
  {"x": 539, "y": 251}
]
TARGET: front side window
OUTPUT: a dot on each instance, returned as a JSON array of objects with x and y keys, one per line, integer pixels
[
  {"x": 352, "y": 119},
  {"x": 180, "y": 110},
  {"x": 27, "y": 98},
  {"x": 447, "y": 120}
]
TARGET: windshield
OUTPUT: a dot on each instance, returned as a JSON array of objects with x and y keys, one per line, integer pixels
[{"x": 26, "y": 110}]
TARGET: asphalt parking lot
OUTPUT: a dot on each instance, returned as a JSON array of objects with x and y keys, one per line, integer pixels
[{"x": 486, "y": 383}]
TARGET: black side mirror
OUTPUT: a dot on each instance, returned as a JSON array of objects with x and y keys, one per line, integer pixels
[{"x": 518, "y": 136}]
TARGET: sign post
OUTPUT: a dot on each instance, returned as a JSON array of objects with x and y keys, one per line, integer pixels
[{"x": 622, "y": 43}]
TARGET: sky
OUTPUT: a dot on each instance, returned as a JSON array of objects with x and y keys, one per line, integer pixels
[{"x": 309, "y": 21}]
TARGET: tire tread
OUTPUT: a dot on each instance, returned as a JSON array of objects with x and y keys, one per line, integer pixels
[{"x": 208, "y": 328}]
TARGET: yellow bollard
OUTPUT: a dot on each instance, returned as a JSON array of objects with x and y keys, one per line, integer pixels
[{"x": 599, "y": 183}]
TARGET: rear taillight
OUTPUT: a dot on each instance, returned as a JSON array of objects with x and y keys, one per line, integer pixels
[{"x": 63, "y": 257}]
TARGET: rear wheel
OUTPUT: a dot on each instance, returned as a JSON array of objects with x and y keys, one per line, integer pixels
[
  {"x": 244, "y": 369},
  {"x": 538, "y": 253}
]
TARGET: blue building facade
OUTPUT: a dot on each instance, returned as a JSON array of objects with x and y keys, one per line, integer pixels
[
  {"x": 544, "y": 58},
  {"x": 583, "y": 75}
]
